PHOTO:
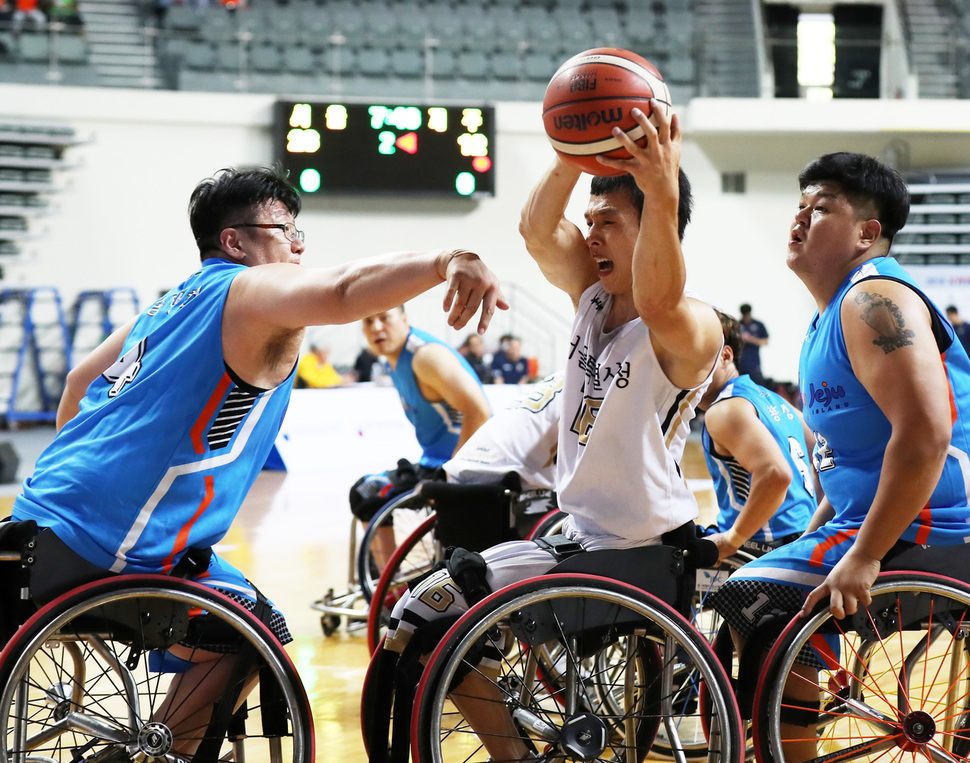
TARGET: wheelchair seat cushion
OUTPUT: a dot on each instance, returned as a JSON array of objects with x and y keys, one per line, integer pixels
[{"x": 951, "y": 561}]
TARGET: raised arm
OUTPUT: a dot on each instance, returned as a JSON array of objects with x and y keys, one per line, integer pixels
[
  {"x": 441, "y": 376},
  {"x": 686, "y": 332},
  {"x": 890, "y": 341},
  {"x": 557, "y": 245}
]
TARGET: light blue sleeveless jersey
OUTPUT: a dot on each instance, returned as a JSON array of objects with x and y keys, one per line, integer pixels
[
  {"x": 851, "y": 430},
  {"x": 436, "y": 425},
  {"x": 166, "y": 444},
  {"x": 732, "y": 481}
]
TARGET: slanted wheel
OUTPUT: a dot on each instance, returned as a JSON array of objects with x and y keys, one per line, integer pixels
[
  {"x": 416, "y": 555},
  {"x": 388, "y": 528},
  {"x": 81, "y": 679},
  {"x": 572, "y": 666},
  {"x": 893, "y": 680}
]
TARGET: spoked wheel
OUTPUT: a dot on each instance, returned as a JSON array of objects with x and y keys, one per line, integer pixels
[
  {"x": 416, "y": 555},
  {"x": 689, "y": 697},
  {"x": 390, "y": 526},
  {"x": 85, "y": 678},
  {"x": 893, "y": 680},
  {"x": 572, "y": 667}
]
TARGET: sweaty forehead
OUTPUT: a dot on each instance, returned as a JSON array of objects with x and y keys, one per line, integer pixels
[
  {"x": 610, "y": 204},
  {"x": 823, "y": 191}
]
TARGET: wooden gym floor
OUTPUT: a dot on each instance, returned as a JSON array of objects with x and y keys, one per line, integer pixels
[{"x": 291, "y": 538}]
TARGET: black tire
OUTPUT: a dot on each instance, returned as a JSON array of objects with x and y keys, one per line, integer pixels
[
  {"x": 416, "y": 555},
  {"x": 404, "y": 513},
  {"x": 76, "y": 678}
]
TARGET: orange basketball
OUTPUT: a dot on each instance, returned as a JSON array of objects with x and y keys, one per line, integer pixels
[{"x": 592, "y": 93}]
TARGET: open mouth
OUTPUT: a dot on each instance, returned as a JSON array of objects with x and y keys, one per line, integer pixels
[{"x": 604, "y": 266}]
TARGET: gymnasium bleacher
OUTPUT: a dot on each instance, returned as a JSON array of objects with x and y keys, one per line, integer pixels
[{"x": 498, "y": 49}]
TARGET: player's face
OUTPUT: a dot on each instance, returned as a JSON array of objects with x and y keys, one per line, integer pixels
[
  {"x": 613, "y": 225},
  {"x": 386, "y": 332},
  {"x": 266, "y": 245},
  {"x": 824, "y": 232}
]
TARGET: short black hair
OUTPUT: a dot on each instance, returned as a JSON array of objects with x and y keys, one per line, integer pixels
[
  {"x": 864, "y": 180},
  {"x": 731, "y": 328},
  {"x": 745, "y": 308},
  {"x": 232, "y": 192},
  {"x": 604, "y": 184}
]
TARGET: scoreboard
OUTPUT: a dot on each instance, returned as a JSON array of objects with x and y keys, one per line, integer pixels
[{"x": 354, "y": 148}]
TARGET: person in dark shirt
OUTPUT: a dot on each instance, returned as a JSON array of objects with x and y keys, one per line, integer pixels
[
  {"x": 754, "y": 336},
  {"x": 473, "y": 350},
  {"x": 512, "y": 368},
  {"x": 961, "y": 328}
]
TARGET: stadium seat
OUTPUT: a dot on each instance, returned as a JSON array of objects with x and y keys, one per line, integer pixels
[
  {"x": 34, "y": 47},
  {"x": 299, "y": 59},
  {"x": 200, "y": 55},
  {"x": 407, "y": 62},
  {"x": 266, "y": 57},
  {"x": 472, "y": 64}
]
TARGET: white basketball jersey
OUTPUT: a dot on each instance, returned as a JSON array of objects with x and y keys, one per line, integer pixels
[
  {"x": 624, "y": 427},
  {"x": 521, "y": 438}
]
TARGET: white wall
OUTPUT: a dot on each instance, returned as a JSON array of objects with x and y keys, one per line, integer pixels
[{"x": 122, "y": 218}]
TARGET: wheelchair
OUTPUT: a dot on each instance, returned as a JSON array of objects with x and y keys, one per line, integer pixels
[
  {"x": 404, "y": 512},
  {"x": 472, "y": 516},
  {"x": 893, "y": 679},
  {"x": 88, "y": 675},
  {"x": 580, "y": 664}
]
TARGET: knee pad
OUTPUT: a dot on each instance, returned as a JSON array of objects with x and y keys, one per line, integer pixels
[{"x": 368, "y": 494}]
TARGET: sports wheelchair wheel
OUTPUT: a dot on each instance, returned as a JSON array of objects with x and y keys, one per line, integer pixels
[
  {"x": 690, "y": 691},
  {"x": 403, "y": 513},
  {"x": 413, "y": 558},
  {"x": 80, "y": 679},
  {"x": 893, "y": 680},
  {"x": 577, "y": 667}
]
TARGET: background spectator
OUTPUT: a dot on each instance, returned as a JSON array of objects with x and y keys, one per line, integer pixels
[
  {"x": 315, "y": 371},
  {"x": 367, "y": 366},
  {"x": 473, "y": 350},
  {"x": 28, "y": 11},
  {"x": 754, "y": 336},
  {"x": 512, "y": 367},
  {"x": 961, "y": 328}
]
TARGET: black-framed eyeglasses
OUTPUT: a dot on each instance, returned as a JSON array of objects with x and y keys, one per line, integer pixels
[{"x": 289, "y": 229}]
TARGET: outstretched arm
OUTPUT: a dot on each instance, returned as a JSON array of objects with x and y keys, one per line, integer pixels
[
  {"x": 889, "y": 337},
  {"x": 557, "y": 245}
]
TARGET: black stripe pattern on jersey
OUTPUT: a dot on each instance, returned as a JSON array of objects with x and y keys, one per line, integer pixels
[
  {"x": 233, "y": 411},
  {"x": 740, "y": 479}
]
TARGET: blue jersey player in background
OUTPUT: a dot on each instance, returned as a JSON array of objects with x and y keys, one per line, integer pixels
[{"x": 755, "y": 447}]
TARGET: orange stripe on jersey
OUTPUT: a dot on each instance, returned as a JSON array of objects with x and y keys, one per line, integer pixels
[
  {"x": 949, "y": 391},
  {"x": 825, "y": 652},
  {"x": 182, "y": 539},
  {"x": 925, "y": 525},
  {"x": 818, "y": 555},
  {"x": 206, "y": 416}
]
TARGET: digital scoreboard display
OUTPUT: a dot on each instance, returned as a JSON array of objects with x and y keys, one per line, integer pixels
[{"x": 355, "y": 148}]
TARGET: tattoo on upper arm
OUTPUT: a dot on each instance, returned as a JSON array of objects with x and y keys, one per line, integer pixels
[{"x": 886, "y": 319}]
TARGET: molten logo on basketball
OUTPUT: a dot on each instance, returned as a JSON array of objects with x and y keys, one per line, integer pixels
[
  {"x": 582, "y": 83},
  {"x": 583, "y": 122}
]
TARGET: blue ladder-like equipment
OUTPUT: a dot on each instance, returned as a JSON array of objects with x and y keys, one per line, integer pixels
[
  {"x": 96, "y": 314},
  {"x": 42, "y": 346}
]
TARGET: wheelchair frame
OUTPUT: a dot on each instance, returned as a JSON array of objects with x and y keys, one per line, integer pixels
[{"x": 84, "y": 677}]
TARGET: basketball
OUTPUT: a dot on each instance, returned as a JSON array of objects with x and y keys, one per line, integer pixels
[{"x": 592, "y": 93}]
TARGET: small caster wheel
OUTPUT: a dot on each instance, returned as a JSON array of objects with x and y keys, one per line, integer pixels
[{"x": 329, "y": 623}]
